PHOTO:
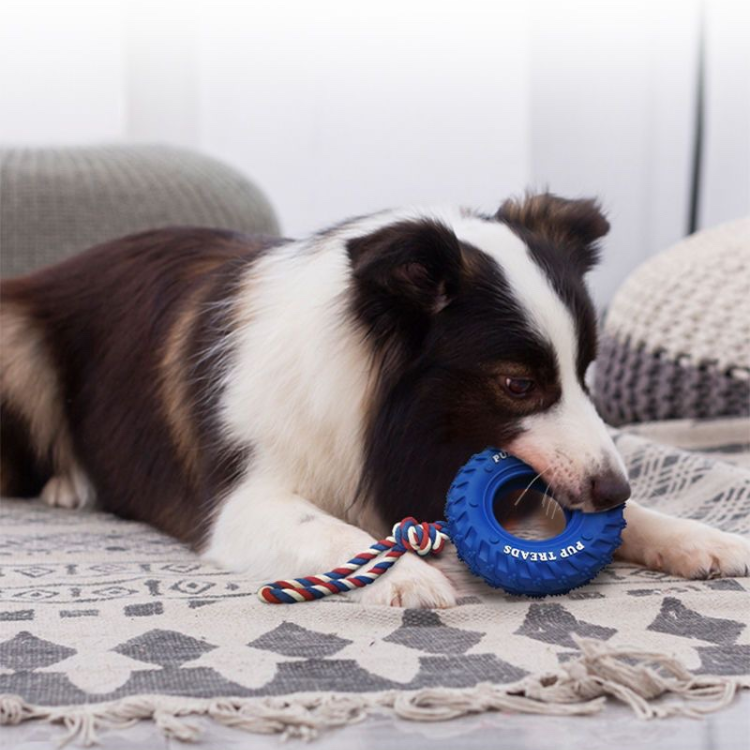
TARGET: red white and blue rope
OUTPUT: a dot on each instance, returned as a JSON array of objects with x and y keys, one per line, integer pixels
[{"x": 407, "y": 536}]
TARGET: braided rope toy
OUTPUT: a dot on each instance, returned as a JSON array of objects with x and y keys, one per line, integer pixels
[
  {"x": 407, "y": 536},
  {"x": 529, "y": 567}
]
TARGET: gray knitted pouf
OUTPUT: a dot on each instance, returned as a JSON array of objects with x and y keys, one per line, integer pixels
[
  {"x": 676, "y": 340},
  {"x": 57, "y": 201}
]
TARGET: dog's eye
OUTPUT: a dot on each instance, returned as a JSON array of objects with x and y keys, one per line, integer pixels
[{"x": 518, "y": 387}]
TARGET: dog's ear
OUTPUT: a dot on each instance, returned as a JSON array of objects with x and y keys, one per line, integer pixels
[
  {"x": 412, "y": 265},
  {"x": 573, "y": 226}
]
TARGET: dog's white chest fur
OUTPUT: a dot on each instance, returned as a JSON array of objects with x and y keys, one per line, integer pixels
[{"x": 297, "y": 388}]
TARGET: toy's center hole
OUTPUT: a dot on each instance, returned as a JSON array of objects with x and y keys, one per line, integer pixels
[{"x": 529, "y": 514}]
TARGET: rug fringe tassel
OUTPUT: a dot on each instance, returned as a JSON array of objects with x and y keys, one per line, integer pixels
[{"x": 653, "y": 685}]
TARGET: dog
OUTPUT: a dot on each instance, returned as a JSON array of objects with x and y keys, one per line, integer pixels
[{"x": 279, "y": 404}]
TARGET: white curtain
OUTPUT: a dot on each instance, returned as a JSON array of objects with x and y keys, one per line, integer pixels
[{"x": 341, "y": 108}]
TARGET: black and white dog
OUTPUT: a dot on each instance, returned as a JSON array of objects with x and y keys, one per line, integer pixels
[{"x": 278, "y": 403}]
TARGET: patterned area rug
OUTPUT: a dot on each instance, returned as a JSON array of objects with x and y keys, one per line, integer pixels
[{"x": 103, "y": 622}]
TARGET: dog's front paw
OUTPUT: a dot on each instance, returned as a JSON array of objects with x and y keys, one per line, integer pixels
[
  {"x": 69, "y": 490},
  {"x": 698, "y": 551},
  {"x": 410, "y": 583},
  {"x": 60, "y": 492}
]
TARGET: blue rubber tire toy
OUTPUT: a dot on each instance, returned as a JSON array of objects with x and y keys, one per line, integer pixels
[{"x": 534, "y": 568}]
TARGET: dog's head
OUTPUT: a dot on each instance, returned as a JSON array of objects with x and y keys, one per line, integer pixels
[{"x": 486, "y": 329}]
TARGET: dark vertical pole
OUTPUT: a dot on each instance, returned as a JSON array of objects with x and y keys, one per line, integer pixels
[{"x": 695, "y": 182}]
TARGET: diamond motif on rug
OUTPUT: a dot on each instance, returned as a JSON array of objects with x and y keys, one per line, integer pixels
[
  {"x": 677, "y": 619},
  {"x": 26, "y": 652},
  {"x": 552, "y": 623},
  {"x": 289, "y": 639},
  {"x": 425, "y": 631},
  {"x": 168, "y": 648}
]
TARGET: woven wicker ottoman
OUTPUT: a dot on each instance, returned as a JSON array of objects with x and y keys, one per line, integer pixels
[{"x": 676, "y": 340}]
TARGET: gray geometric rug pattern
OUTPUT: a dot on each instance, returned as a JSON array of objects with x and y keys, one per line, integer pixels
[{"x": 93, "y": 608}]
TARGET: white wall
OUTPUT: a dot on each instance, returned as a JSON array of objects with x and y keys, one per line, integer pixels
[
  {"x": 162, "y": 72},
  {"x": 612, "y": 114},
  {"x": 344, "y": 108},
  {"x": 726, "y": 162},
  {"x": 339, "y": 108},
  {"x": 62, "y": 72}
]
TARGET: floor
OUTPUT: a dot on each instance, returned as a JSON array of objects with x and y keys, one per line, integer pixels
[{"x": 616, "y": 728}]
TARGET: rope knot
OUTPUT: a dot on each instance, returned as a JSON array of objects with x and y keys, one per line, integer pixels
[
  {"x": 422, "y": 538},
  {"x": 408, "y": 536}
]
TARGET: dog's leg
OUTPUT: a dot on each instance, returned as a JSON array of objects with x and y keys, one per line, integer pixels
[
  {"x": 271, "y": 533},
  {"x": 680, "y": 546},
  {"x": 69, "y": 490}
]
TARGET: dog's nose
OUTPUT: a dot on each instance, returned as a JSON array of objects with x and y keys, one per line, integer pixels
[{"x": 609, "y": 489}]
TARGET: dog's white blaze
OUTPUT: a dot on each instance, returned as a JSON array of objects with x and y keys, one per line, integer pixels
[
  {"x": 299, "y": 382},
  {"x": 571, "y": 436}
]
